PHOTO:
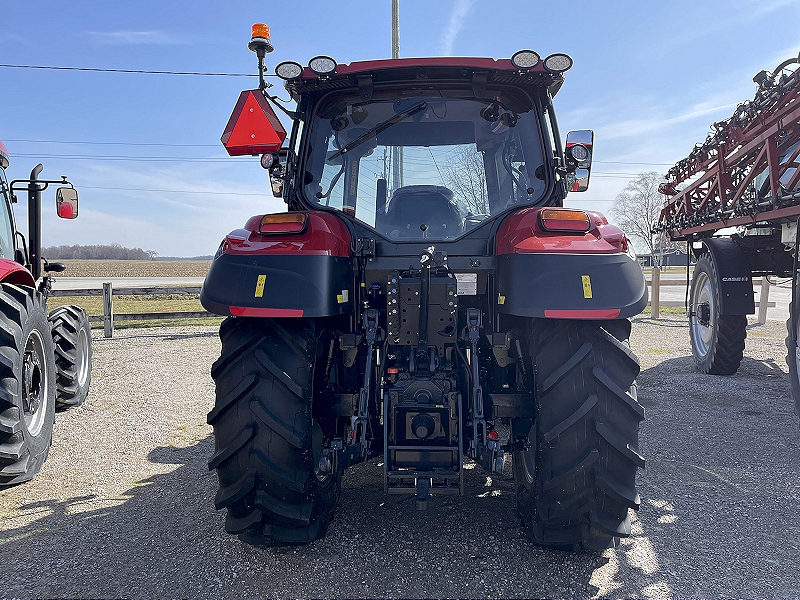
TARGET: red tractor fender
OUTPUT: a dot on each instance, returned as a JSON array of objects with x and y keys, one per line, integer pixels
[
  {"x": 522, "y": 233},
  {"x": 323, "y": 234},
  {"x": 13, "y": 272},
  {"x": 582, "y": 274},
  {"x": 286, "y": 266}
]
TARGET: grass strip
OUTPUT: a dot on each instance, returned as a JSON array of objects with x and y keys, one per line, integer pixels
[{"x": 160, "y": 303}]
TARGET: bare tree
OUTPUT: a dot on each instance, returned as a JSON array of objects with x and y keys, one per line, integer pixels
[
  {"x": 464, "y": 173},
  {"x": 636, "y": 210}
]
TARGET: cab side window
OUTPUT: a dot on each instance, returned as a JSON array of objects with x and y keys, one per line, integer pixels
[{"x": 6, "y": 229}]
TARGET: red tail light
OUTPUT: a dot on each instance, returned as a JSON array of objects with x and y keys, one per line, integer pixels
[
  {"x": 283, "y": 223},
  {"x": 563, "y": 219}
]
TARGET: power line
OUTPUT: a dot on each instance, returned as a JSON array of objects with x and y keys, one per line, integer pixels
[
  {"x": 165, "y": 145},
  {"x": 126, "y": 189},
  {"x": 218, "y": 193},
  {"x": 128, "y": 158},
  {"x": 136, "y": 71},
  {"x": 114, "y": 143},
  {"x": 614, "y": 162}
]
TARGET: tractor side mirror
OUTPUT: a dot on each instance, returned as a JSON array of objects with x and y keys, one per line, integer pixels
[
  {"x": 578, "y": 158},
  {"x": 579, "y": 180},
  {"x": 67, "y": 203}
]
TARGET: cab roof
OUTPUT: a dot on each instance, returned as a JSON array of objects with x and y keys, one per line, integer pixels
[
  {"x": 365, "y": 66},
  {"x": 430, "y": 69}
]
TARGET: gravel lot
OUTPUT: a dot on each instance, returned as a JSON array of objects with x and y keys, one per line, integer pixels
[{"x": 124, "y": 504}]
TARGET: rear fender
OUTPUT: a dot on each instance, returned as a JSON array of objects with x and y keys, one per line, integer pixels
[
  {"x": 13, "y": 272},
  {"x": 735, "y": 275},
  {"x": 590, "y": 275},
  {"x": 307, "y": 274}
]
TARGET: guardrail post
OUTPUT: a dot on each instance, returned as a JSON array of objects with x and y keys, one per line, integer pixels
[
  {"x": 655, "y": 289},
  {"x": 763, "y": 300},
  {"x": 108, "y": 310}
]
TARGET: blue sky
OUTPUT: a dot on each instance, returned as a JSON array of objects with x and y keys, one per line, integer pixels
[{"x": 649, "y": 78}]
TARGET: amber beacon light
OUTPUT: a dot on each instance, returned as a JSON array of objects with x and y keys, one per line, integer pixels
[{"x": 260, "y": 38}]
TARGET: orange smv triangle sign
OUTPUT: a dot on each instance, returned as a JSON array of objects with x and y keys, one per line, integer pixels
[{"x": 253, "y": 127}]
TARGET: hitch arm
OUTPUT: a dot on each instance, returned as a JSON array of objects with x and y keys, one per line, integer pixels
[
  {"x": 485, "y": 451},
  {"x": 478, "y": 421},
  {"x": 360, "y": 420}
]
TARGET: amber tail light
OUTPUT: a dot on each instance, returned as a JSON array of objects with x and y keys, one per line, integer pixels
[
  {"x": 562, "y": 219},
  {"x": 283, "y": 223}
]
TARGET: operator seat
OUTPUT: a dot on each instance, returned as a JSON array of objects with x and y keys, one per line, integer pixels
[{"x": 414, "y": 205}]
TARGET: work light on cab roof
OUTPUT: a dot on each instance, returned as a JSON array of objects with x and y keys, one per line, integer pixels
[
  {"x": 289, "y": 70},
  {"x": 322, "y": 65},
  {"x": 525, "y": 59}
]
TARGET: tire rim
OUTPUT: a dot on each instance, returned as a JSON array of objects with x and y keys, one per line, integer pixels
[
  {"x": 322, "y": 466},
  {"x": 83, "y": 357},
  {"x": 35, "y": 383},
  {"x": 702, "y": 293}
]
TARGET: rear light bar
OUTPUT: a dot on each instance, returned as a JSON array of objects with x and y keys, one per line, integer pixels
[
  {"x": 564, "y": 219},
  {"x": 283, "y": 223}
]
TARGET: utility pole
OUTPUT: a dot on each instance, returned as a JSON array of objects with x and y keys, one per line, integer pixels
[
  {"x": 395, "y": 28},
  {"x": 397, "y": 151}
]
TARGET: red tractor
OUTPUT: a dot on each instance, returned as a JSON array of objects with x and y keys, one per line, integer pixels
[
  {"x": 426, "y": 299},
  {"x": 45, "y": 361}
]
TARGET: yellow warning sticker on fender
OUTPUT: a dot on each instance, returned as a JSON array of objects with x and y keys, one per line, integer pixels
[
  {"x": 587, "y": 286},
  {"x": 262, "y": 279}
]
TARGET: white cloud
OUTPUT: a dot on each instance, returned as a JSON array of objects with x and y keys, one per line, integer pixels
[
  {"x": 637, "y": 127},
  {"x": 16, "y": 38},
  {"x": 461, "y": 9},
  {"x": 152, "y": 37},
  {"x": 761, "y": 7}
]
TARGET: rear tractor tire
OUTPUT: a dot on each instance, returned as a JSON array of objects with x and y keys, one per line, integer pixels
[
  {"x": 717, "y": 340},
  {"x": 72, "y": 336},
  {"x": 267, "y": 444},
  {"x": 577, "y": 479},
  {"x": 27, "y": 384}
]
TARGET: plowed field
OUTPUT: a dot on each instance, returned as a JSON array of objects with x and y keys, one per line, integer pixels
[{"x": 135, "y": 268}]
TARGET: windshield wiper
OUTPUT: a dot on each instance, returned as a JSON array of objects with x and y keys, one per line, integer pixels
[{"x": 380, "y": 127}]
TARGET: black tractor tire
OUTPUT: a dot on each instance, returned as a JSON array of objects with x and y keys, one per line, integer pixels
[
  {"x": 718, "y": 343},
  {"x": 577, "y": 479},
  {"x": 793, "y": 355},
  {"x": 267, "y": 445},
  {"x": 72, "y": 336},
  {"x": 27, "y": 384}
]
